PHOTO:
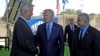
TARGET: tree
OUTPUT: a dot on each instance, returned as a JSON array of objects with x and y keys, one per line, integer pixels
[{"x": 71, "y": 11}]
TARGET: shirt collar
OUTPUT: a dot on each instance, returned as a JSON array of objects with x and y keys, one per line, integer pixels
[
  {"x": 85, "y": 28},
  {"x": 51, "y": 23},
  {"x": 24, "y": 18}
]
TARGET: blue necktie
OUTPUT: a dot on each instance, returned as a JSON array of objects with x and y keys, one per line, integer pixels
[
  {"x": 81, "y": 33},
  {"x": 48, "y": 31},
  {"x": 72, "y": 27}
]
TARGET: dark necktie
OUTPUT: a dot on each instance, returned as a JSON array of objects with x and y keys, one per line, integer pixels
[
  {"x": 48, "y": 31},
  {"x": 81, "y": 33}
]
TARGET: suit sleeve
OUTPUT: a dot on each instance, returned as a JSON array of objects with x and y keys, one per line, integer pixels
[
  {"x": 25, "y": 38},
  {"x": 38, "y": 35},
  {"x": 97, "y": 43},
  {"x": 74, "y": 45},
  {"x": 65, "y": 32},
  {"x": 61, "y": 42}
]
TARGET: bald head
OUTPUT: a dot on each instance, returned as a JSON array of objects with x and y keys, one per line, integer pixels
[{"x": 71, "y": 20}]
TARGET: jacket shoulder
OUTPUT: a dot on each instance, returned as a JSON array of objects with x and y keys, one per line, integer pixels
[
  {"x": 93, "y": 29},
  {"x": 58, "y": 26},
  {"x": 41, "y": 25}
]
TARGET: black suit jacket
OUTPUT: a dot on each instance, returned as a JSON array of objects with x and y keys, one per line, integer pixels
[
  {"x": 69, "y": 32},
  {"x": 89, "y": 45},
  {"x": 54, "y": 46},
  {"x": 23, "y": 41}
]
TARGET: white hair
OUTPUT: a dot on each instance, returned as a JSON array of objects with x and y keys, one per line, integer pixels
[
  {"x": 25, "y": 7},
  {"x": 52, "y": 12}
]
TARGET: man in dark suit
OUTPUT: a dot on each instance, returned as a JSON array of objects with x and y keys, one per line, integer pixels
[
  {"x": 87, "y": 38},
  {"x": 50, "y": 36},
  {"x": 23, "y": 43},
  {"x": 69, "y": 30}
]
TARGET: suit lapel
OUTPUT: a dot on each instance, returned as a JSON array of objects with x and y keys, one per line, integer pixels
[
  {"x": 78, "y": 34},
  {"x": 70, "y": 27},
  {"x": 74, "y": 27},
  {"x": 44, "y": 30},
  {"x": 27, "y": 26},
  {"x": 86, "y": 33}
]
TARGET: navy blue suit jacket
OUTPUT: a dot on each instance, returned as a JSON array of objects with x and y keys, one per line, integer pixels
[{"x": 54, "y": 46}]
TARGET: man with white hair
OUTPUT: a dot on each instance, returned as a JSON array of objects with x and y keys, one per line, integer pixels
[
  {"x": 86, "y": 40},
  {"x": 50, "y": 36},
  {"x": 23, "y": 43}
]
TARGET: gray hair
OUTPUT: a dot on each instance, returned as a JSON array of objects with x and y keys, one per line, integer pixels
[
  {"x": 25, "y": 7},
  {"x": 50, "y": 11},
  {"x": 85, "y": 17}
]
